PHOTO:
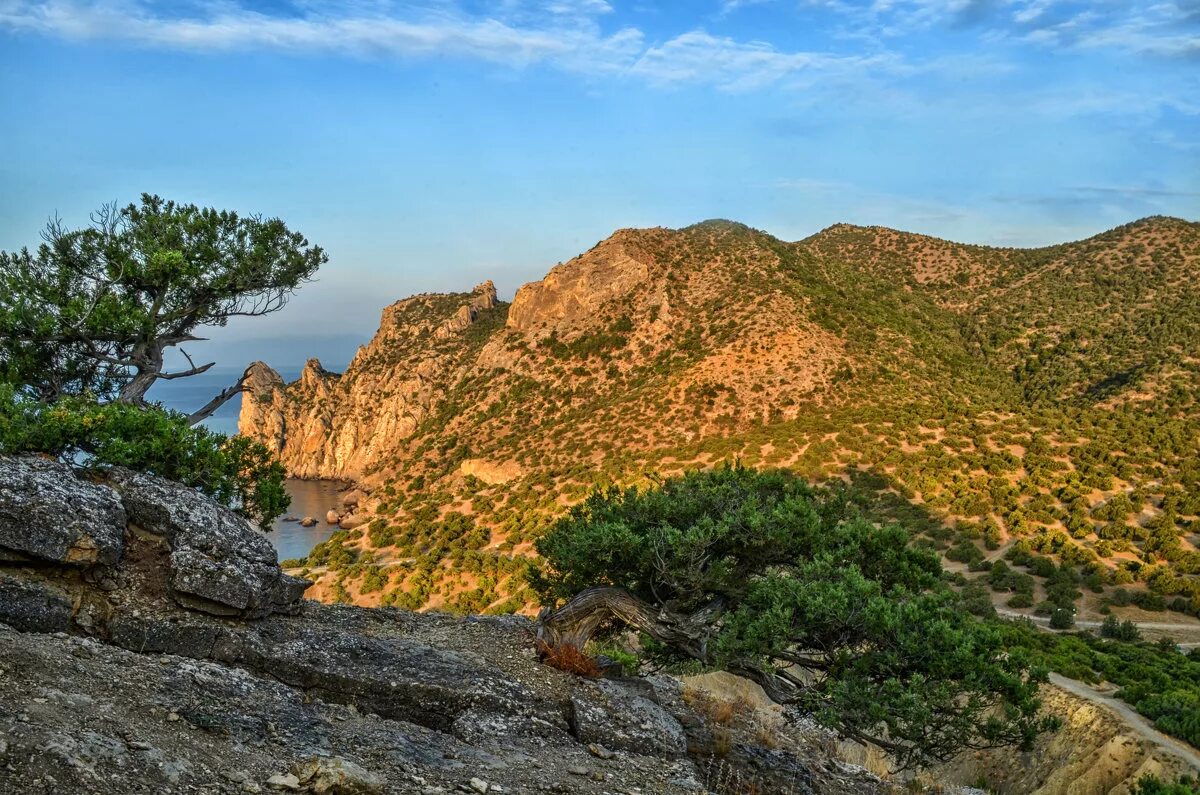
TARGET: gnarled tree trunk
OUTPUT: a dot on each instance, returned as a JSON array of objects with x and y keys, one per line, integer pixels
[{"x": 574, "y": 623}]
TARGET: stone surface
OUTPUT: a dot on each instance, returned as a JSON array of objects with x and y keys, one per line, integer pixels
[
  {"x": 575, "y": 289},
  {"x": 49, "y": 514},
  {"x": 609, "y": 714},
  {"x": 31, "y": 606},
  {"x": 337, "y": 776},
  {"x": 220, "y": 563},
  {"x": 123, "y": 687}
]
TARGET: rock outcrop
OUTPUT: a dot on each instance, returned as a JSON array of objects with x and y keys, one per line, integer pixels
[
  {"x": 196, "y": 668},
  {"x": 49, "y": 515},
  {"x": 330, "y": 425},
  {"x": 577, "y": 289}
]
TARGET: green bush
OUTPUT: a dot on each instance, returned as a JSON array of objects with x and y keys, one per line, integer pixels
[
  {"x": 803, "y": 580},
  {"x": 1152, "y": 785},
  {"x": 237, "y": 472},
  {"x": 1120, "y": 630}
]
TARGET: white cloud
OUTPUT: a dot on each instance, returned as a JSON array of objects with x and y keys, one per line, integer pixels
[
  {"x": 1165, "y": 28},
  {"x": 561, "y": 33},
  {"x": 227, "y": 27},
  {"x": 738, "y": 66}
]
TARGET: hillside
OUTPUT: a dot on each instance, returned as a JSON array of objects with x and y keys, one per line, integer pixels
[
  {"x": 150, "y": 643},
  {"x": 1037, "y": 405}
]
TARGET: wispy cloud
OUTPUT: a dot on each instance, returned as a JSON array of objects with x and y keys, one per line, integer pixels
[
  {"x": 1137, "y": 191},
  {"x": 701, "y": 57},
  {"x": 362, "y": 32},
  {"x": 1161, "y": 28},
  {"x": 565, "y": 34}
]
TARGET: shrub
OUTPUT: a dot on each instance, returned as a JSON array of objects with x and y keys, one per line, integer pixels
[
  {"x": 1152, "y": 785},
  {"x": 1062, "y": 618},
  {"x": 237, "y": 472},
  {"x": 1119, "y": 630},
  {"x": 797, "y": 577}
]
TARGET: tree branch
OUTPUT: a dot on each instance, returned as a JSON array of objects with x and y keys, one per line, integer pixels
[
  {"x": 575, "y": 622},
  {"x": 221, "y": 399},
  {"x": 184, "y": 373}
]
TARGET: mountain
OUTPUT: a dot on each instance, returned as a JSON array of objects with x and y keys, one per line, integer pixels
[{"x": 1033, "y": 403}]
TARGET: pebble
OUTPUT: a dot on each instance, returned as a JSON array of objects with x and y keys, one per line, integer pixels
[
  {"x": 479, "y": 785},
  {"x": 173, "y": 717},
  {"x": 576, "y": 770},
  {"x": 283, "y": 781},
  {"x": 599, "y": 751}
]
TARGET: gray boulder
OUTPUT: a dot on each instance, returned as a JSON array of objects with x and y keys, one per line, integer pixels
[
  {"x": 33, "y": 606},
  {"x": 220, "y": 563},
  {"x": 607, "y": 713},
  {"x": 49, "y": 514},
  {"x": 337, "y": 776}
]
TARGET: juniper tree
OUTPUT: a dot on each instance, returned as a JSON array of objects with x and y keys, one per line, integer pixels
[
  {"x": 92, "y": 310},
  {"x": 762, "y": 575}
]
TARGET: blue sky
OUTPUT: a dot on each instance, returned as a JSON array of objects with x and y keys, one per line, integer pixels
[{"x": 430, "y": 145}]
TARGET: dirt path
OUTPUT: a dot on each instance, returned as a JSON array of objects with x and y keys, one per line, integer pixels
[
  {"x": 1136, "y": 722},
  {"x": 1151, "y": 625}
]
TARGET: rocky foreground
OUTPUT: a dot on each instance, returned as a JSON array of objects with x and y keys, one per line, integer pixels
[{"x": 149, "y": 642}]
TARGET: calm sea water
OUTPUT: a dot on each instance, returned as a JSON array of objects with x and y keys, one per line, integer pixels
[{"x": 309, "y": 497}]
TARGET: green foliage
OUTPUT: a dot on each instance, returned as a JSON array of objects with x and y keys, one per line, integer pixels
[
  {"x": 237, "y": 472},
  {"x": 1120, "y": 630},
  {"x": 804, "y": 580},
  {"x": 1152, "y": 785},
  {"x": 1160, "y": 683},
  {"x": 92, "y": 310}
]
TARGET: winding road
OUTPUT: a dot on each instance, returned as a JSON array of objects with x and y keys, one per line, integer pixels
[
  {"x": 1043, "y": 623},
  {"x": 1136, "y": 722}
]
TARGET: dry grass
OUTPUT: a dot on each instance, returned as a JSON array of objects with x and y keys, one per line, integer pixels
[
  {"x": 569, "y": 659},
  {"x": 721, "y": 778}
]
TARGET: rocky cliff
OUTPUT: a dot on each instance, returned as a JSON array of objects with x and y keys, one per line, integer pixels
[
  {"x": 149, "y": 643},
  {"x": 330, "y": 425},
  {"x": 904, "y": 364}
]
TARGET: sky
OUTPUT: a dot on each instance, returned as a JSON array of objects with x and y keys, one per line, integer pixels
[{"x": 430, "y": 145}]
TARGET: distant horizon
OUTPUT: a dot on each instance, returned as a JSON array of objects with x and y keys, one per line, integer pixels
[{"x": 427, "y": 144}]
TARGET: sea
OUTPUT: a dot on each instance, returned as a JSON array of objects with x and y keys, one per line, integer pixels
[{"x": 309, "y": 497}]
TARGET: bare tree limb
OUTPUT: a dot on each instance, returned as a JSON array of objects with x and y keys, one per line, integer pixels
[
  {"x": 221, "y": 399},
  {"x": 184, "y": 373}
]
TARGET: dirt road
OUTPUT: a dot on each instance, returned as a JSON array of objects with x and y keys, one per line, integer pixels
[{"x": 1136, "y": 722}]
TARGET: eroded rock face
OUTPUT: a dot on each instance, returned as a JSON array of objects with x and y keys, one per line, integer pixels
[
  {"x": 575, "y": 289},
  {"x": 33, "y": 607},
  {"x": 610, "y": 715},
  {"x": 48, "y": 514},
  {"x": 220, "y": 563},
  {"x": 330, "y": 425}
]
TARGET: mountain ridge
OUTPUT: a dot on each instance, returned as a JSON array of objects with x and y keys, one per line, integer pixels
[{"x": 659, "y": 349}]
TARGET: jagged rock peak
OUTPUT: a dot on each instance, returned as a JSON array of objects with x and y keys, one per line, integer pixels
[
  {"x": 261, "y": 377},
  {"x": 315, "y": 375},
  {"x": 574, "y": 290},
  {"x": 484, "y": 295}
]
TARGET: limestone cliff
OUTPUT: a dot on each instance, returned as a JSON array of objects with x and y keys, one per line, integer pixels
[{"x": 331, "y": 425}]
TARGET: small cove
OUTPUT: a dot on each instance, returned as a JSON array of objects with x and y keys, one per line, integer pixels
[{"x": 309, "y": 498}]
